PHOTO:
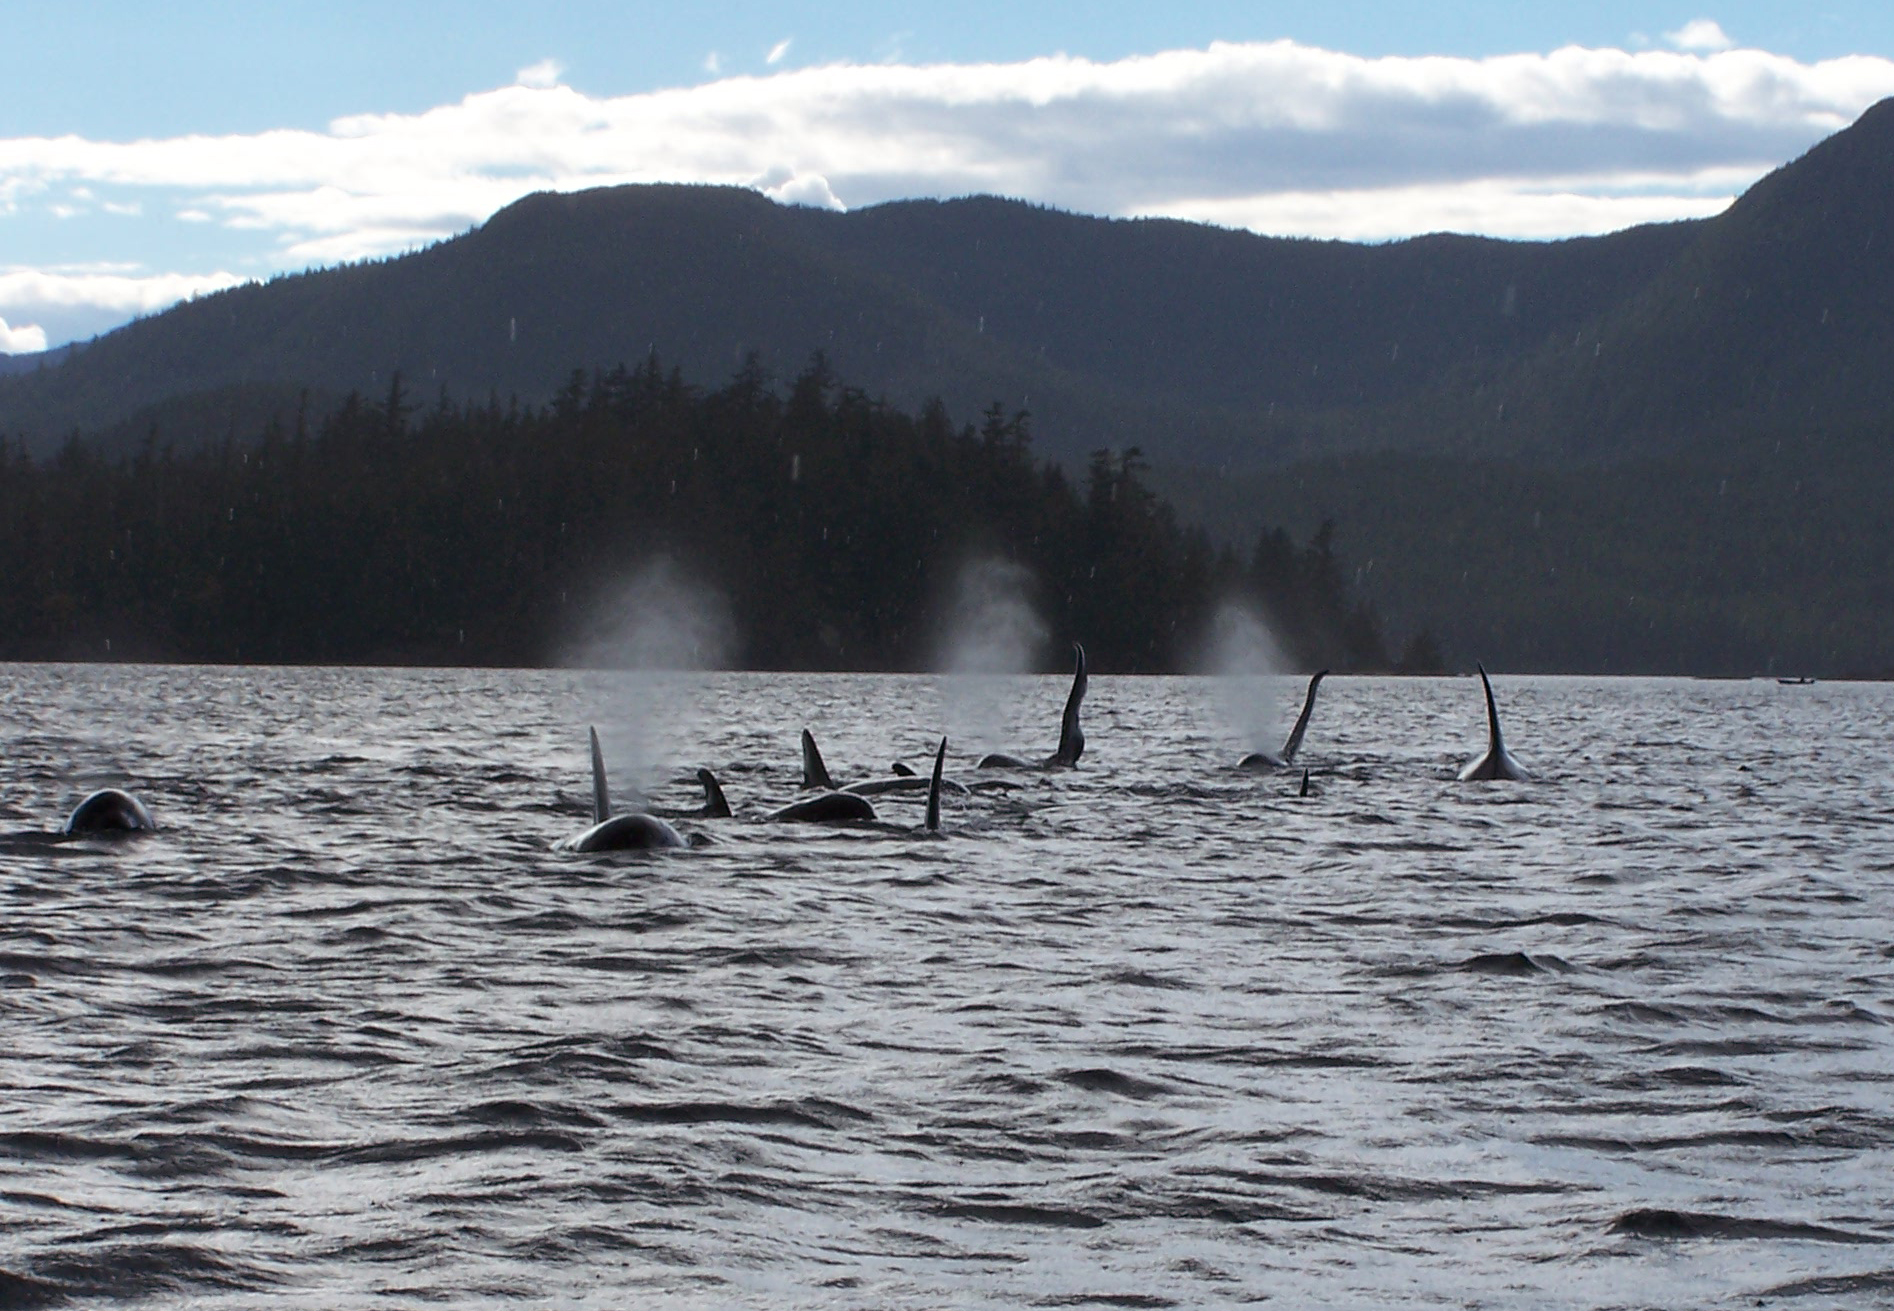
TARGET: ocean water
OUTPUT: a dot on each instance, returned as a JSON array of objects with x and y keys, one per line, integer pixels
[{"x": 1148, "y": 1033}]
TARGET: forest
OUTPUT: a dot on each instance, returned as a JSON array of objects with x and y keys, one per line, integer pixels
[{"x": 831, "y": 526}]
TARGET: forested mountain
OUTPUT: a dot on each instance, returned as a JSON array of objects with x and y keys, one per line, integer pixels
[{"x": 1185, "y": 339}]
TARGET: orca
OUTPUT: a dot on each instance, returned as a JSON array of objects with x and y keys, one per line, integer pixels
[
  {"x": 849, "y": 807},
  {"x": 1071, "y": 736},
  {"x": 634, "y": 832},
  {"x": 829, "y": 808},
  {"x": 815, "y": 774},
  {"x": 1498, "y": 762},
  {"x": 109, "y": 811},
  {"x": 714, "y": 807},
  {"x": 1263, "y": 760},
  {"x": 1306, "y": 789}
]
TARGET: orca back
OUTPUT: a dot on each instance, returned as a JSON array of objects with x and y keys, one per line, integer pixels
[
  {"x": 829, "y": 808},
  {"x": 639, "y": 832},
  {"x": 110, "y": 811}
]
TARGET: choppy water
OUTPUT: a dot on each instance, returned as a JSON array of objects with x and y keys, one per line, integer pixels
[{"x": 1148, "y": 1033}]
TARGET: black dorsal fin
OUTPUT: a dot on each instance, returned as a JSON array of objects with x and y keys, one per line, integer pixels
[
  {"x": 1305, "y": 784},
  {"x": 1071, "y": 736},
  {"x": 1494, "y": 741},
  {"x": 901, "y": 769},
  {"x": 815, "y": 774},
  {"x": 1294, "y": 744},
  {"x": 601, "y": 795},
  {"x": 933, "y": 788},
  {"x": 715, "y": 807}
]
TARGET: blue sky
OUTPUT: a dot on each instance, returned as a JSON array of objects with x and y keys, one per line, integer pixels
[{"x": 147, "y": 152}]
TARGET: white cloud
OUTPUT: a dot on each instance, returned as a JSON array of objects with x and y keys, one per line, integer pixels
[
  {"x": 777, "y": 51},
  {"x": 1278, "y": 137},
  {"x": 129, "y": 293},
  {"x": 1498, "y": 207},
  {"x": 545, "y": 73},
  {"x": 787, "y": 188},
  {"x": 23, "y": 340},
  {"x": 713, "y": 63},
  {"x": 1701, "y": 34}
]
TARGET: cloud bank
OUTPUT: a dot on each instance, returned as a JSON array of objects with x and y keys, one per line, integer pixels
[{"x": 1277, "y": 137}]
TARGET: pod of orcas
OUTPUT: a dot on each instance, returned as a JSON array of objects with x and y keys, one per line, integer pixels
[
  {"x": 647, "y": 829},
  {"x": 113, "y": 812}
]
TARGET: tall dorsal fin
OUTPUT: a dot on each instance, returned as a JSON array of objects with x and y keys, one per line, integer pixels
[
  {"x": 601, "y": 795},
  {"x": 1305, "y": 784},
  {"x": 715, "y": 807},
  {"x": 815, "y": 774},
  {"x": 1294, "y": 744},
  {"x": 933, "y": 788},
  {"x": 1071, "y": 736},
  {"x": 1494, "y": 741}
]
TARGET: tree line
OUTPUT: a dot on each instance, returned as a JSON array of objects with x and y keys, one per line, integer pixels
[{"x": 486, "y": 532}]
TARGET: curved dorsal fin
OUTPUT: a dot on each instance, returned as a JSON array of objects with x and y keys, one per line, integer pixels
[
  {"x": 715, "y": 807},
  {"x": 1494, "y": 741},
  {"x": 1071, "y": 736},
  {"x": 601, "y": 795},
  {"x": 900, "y": 769},
  {"x": 1294, "y": 744},
  {"x": 815, "y": 774},
  {"x": 933, "y": 789}
]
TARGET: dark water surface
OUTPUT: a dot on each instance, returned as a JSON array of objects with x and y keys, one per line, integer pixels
[{"x": 1148, "y": 1033}]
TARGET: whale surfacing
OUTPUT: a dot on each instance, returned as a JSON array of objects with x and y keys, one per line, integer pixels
[
  {"x": 829, "y": 808},
  {"x": 1498, "y": 762},
  {"x": 1071, "y": 735},
  {"x": 900, "y": 778},
  {"x": 634, "y": 832},
  {"x": 1263, "y": 760},
  {"x": 110, "y": 811}
]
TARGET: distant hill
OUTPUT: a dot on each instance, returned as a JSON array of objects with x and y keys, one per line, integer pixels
[
  {"x": 1192, "y": 341},
  {"x": 11, "y": 364}
]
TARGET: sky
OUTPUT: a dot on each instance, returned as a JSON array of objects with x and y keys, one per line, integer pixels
[{"x": 152, "y": 152}]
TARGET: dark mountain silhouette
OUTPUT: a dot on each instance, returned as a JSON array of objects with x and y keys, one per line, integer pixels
[{"x": 1185, "y": 339}]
